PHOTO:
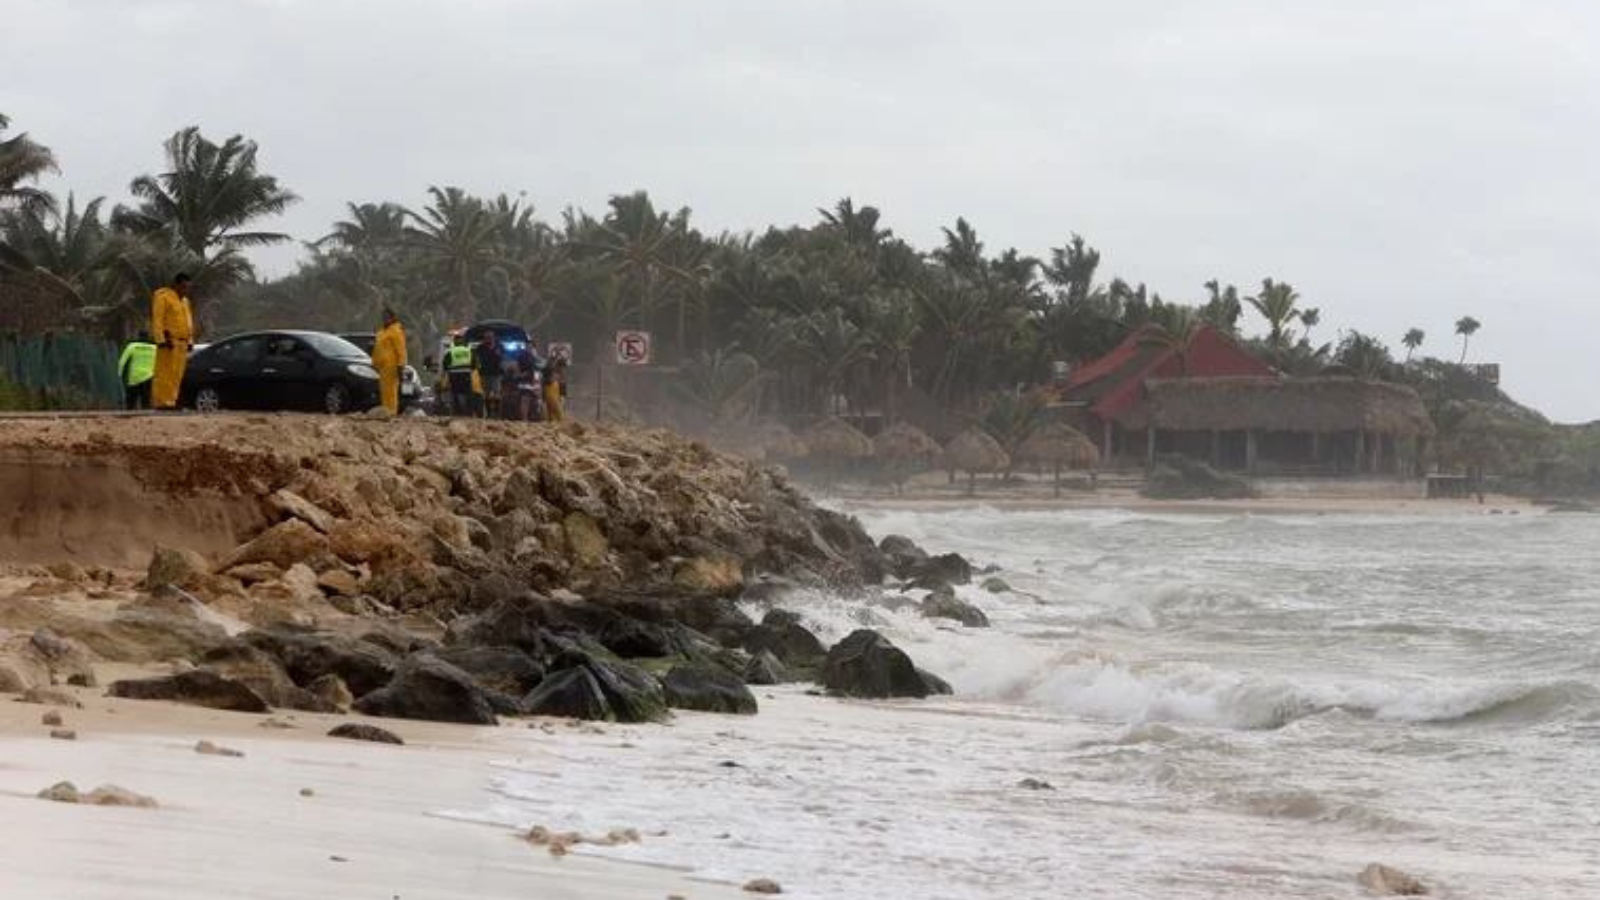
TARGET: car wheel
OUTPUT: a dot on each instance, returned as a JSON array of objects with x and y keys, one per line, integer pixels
[
  {"x": 336, "y": 399},
  {"x": 208, "y": 400}
]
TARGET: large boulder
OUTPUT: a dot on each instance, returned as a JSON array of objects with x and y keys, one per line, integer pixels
[
  {"x": 570, "y": 693},
  {"x": 176, "y": 567},
  {"x": 518, "y": 622},
  {"x": 196, "y": 687},
  {"x": 634, "y": 694},
  {"x": 781, "y": 634},
  {"x": 937, "y": 571},
  {"x": 716, "y": 575},
  {"x": 67, "y": 659},
  {"x": 946, "y": 605},
  {"x": 426, "y": 687},
  {"x": 902, "y": 554},
  {"x": 309, "y": 655},
  {"x": 707, "y": 688},
  {"x": 284, "y": 544},
  {"x": 507, "y": 670},
  {"x": 765, "y": 669},
  {"x": 867, "y": 664},
  {"x": 262, "y": 673}
]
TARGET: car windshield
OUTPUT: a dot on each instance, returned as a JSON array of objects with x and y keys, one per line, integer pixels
[{"x": 332, "y": 346}]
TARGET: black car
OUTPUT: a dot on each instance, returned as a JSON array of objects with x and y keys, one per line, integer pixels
[
  {"x": 281, "y": 370},
  {"x": 411, "y": 387}
]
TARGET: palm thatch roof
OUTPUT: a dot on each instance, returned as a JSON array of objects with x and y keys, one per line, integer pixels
[
  {"x": 835, "y": 439},
  {"x": 1318, "y": 405},
  {"x": 974, "y": 450},
  {"x": 1059, "y": 444},
  {"x": 905, "y": 442},
  {"x": 775, "y": 441}
]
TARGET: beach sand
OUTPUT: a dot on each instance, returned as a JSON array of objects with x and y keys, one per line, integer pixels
[{"x": 240, "y": 827}]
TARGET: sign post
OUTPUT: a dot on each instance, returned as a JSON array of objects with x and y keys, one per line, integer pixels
[{"x": 632, "y": 348}]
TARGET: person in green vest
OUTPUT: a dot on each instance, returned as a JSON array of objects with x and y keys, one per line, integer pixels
[
  {"x": 462, "y": 367},
  {"x": 137, "y": 369}
]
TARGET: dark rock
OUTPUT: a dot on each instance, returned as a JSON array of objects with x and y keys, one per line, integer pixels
[
  {"x": 309, "y": 655},
  {"x": 196, "y": 687},
  {"x": 262, "y": 673},
  {"x": 781, "y": 634},
  {"x": 902, "y": 554},
  {"x": 360, "y": 731},
  {"x": 994, "y": 584},
  {"x": 426, "y": 687},
  {"x": 520, "y": 622},
  {"x": 946, "y": 605},
  {"x": 631, "y": 638},
  {"x": 707, "y": 689},
  {"x": 934, "y": 684},
  {"x": 937, "y": 571},
  {"x": 867, "y": 664},
  {"x": 634, "y": 695},
  {"x": 1035, "y": 784},
  {"x": 570, "y": 693},
  {"x": 764, "y": 669},
  {"x": 508, "y": 670}
]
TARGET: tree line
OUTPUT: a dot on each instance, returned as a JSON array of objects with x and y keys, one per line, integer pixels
[{"x": 837, "y": 316}]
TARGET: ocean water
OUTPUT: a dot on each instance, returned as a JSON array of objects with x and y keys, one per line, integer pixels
[{"x": 1223, "y": 706}]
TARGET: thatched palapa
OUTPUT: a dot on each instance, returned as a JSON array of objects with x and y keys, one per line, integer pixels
[
  {"x": 837, "y": 440},
  {"x": 905, "y": 443},
  {"x": 1058, "y": 444},
  {"x": 1324, "y": 405}
]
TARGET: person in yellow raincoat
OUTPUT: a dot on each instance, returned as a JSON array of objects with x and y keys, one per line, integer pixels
[
  {"x": 555, "y": 389},
  {"x": 389, "y": 358},
  {"x": 172, "y": 329}
]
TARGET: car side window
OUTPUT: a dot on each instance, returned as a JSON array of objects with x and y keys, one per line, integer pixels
[
  {"x": 243, "y": 350},
  {"x": 286, "y": 348}
]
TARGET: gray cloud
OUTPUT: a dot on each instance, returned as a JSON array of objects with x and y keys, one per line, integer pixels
[{"x": 1401, "y": 164}]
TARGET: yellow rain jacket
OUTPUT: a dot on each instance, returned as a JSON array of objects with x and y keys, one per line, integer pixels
[
  {"x": 389, "y": 358},
  {"x": 172, "y": 329}
]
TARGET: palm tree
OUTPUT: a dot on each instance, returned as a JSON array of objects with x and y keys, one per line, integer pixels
[
  {"x": 455, "y": 238},
  {"x": 724, "y": 386},
  {"x": 1174, "y": 329},
  {"x": 1310, "y": 318},
  {"x": 892, "y": 327},
  {"x": 70, "y": 251},
  {"x": 1413, "y": 340},
  {"x": 962, "y": 252},
  {"x": 1072, "y": 268},
  {"x": 23, "y": 160},
  {"x": 209, "y": 194},
  {"x": 1276, "y": 304},
  {"x": 1222, "y": 308},
  {"x": 1466, "y": 326},
  {"x": 859, "y": 227},
  {"x": 371, "y": 226},
  {"x": 834, "y": 345}
]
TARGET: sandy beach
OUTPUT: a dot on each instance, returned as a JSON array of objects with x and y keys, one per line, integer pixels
[{"x": 240, "y": 827}]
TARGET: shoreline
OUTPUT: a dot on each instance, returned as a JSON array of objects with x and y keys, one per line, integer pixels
[
  {"x": 374, "y": 826},
  {"x": 1128, "y": 501}
]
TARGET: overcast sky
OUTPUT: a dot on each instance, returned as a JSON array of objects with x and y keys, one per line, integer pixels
[{"x": 1400, "y": 163}]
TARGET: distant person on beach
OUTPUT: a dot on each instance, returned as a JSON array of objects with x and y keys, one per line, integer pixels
[
  {"x": 136, "y": 367},
  {"x": 459, "y": 367},
  {"x": 172, "y": 324},
  {"x": 488, "y": 359},
  {"x": 389, "y": 358},
  {"x": 555, "y": 389}
]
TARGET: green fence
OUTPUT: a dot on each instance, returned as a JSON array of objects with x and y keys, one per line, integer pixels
[{"x": 58, "y": 371}]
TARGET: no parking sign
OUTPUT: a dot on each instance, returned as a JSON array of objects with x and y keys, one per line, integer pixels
[{"x": 633, "y": 348}]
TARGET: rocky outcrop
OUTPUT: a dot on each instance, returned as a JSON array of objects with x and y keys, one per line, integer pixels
[
  {"x": 764, "y": 669},
  {"x": 707, "y": 688},
  {"x": 196, "y": 687},
  {"x": 867, "y": 664},
  {"x": 425, "y": 687},
  {"x": 946, "y": 605},
  {"x": 571, "y": 693},
  {"x": 308, "y": 655},
  {"x": 781, "y": 634}
]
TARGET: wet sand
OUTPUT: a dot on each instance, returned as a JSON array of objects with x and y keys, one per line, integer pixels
[{"x": 240, "y": 827}]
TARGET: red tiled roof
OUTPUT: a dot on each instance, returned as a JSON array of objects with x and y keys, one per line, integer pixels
[{"x": 1111, "y": 384}]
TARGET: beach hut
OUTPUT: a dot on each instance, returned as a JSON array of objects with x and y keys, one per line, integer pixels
[
  {"x": 973, "y": 451},
  {"x": 776, "y": 442},
  {"x": 904, "y": 450},
  {"x": 1059, "y": 446},
  {"x": 836, "y": 445}
]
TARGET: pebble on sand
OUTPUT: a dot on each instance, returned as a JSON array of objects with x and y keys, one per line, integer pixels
[
  {"x": 307, "y": 792},
  {"x": 104, "y": 795},
  {"x": 63, "y": 734},
  {"x": 1384, "y": 881},
  {"x": 762, "y": 886},
  {"x": 51, "y": 718},
  {"x": 210, "y": 749},
  {"x": 359, "y": 731}
]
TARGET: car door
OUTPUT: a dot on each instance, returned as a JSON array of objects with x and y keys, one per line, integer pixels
[
  {"x": 230, "y": 367},
  {"x": 288, "y": 374}
]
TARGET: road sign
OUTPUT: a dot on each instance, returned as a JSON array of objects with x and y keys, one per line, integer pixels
[
  {"x": 633, "y": 348},
  {"x": 560, "y": 350}
]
